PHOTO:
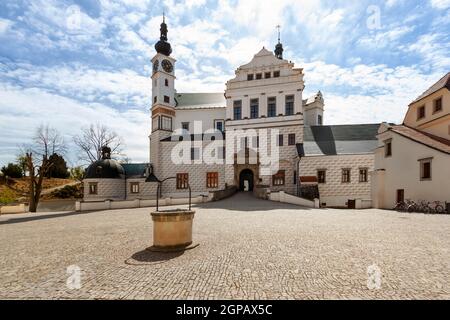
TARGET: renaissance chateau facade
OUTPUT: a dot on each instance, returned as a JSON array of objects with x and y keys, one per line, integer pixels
[{"x": 262, "y": 135}]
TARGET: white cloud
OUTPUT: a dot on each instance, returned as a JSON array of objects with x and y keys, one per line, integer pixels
[
  {"x": 433, "y": 48},
  {"x": 373, "y": 93},
  {"x": 383, "y": 39},
  {"x": 28, "y": 108},
  {"x": 440, "y": 4},
  {"x": 4, "y": 25},
  {"x": 84, "y": 83}
]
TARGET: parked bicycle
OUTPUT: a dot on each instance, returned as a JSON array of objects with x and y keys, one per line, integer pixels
[{"x": 435, "y": 207}]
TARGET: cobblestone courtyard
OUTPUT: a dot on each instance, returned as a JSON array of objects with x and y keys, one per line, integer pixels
[{"x": 249, "y": 249}]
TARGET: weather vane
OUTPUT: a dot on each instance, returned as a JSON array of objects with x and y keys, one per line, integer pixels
[{"x": 278, "y": 27}]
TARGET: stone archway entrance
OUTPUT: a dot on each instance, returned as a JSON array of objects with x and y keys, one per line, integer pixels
[{"x": 246, "y": 180}]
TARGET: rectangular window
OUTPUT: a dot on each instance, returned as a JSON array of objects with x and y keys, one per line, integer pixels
[
  {"x": 155, "y": 99},
  {"x": 363, "y": 175},
  {"x": 295, "y": 177},
  {"x": 319, "y": 120},
  {"x": 289, "y": 105},
  {"x": 276, "y": 74},
  {"x": 134, "y": 187},
  {"x": 195, "y": 153},
  {"x": 166, "y": 82},
  {"x": 271, "y": 107},
  {"x": 280, "y": 140},
  {"x": 185, "y": 126},
  {"x": 218, "y": 125},
  {"x": 93, "y": 188},
  {"x": 278, "y": 178},
  {"x": 267, "y": 75},
  {"x": 437, "y": 105},
  {"x": 250, "y": 77},
  {"x": 166, "y": 99},
  {"x": 182, "y": 180},
  {"x": 425, "y": 169},
  {"x": 346, "y": 176},
  {"x": 388, "y": 148},
  {"x": 258, "y": 76},
  {"x": 237, "y": 110},
  {"x": 166, "y": 123},
  {"x": 254, "y": 108},
  {"x": 421, "y": 112},
  {"x": 155, "y": 123},
  {"x": 212, "y": 179},
  {"x": 291, "y": 139},
  {"x": 322, "y": 176}
]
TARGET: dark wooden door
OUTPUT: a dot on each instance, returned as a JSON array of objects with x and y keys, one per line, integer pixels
[
  {"x": 351, "y": 204},
  {"x": 400, "y": 195}
]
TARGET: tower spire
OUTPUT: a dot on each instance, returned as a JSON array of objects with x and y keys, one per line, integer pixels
[
  {"x": 163, "y": 46},
  {"x": 278, "y": 27},
  {"x": 279, "y": 47}
]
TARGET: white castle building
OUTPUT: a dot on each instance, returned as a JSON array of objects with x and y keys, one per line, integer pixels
[{"x": 260, "y": 135}]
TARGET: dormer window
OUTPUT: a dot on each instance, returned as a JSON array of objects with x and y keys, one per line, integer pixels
[
  {"x": 276, "y": 74},
  {"x": 250, "y": 77},
  {"x": 420, "y": 112},
  {"x": 258, "y": 76},
  {"x": 437, "y": 105}
]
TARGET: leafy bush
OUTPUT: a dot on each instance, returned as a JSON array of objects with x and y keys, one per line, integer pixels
[
  {"x": 68, "y": 192},
  {"x": 12, "y": 170},
  {"x": 6, "y": 196}
]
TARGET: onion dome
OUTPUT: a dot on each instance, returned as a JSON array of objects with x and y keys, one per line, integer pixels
[
  {"x": 105, "y": 168},
  {"x": 162, "y": 46}
]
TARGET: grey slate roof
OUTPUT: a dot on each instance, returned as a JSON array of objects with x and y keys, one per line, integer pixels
[
  {"x": 341, "y": 139},
  {"x": 444, "y": 82},
  {"x": 199, "y": 100},
  {"x": 134, "y": 169},
  {"x": 105, "y": 169}
]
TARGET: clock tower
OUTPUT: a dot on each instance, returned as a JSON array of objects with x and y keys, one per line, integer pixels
[{"x": 163, "y": 95}]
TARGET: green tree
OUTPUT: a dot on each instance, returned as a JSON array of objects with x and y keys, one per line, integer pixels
[
  {"x": 59, "y": 167},
  {"x": 77, "y": 173},
  {"x": 22, "y": 162},
  {"x": 12, "y": 170}
]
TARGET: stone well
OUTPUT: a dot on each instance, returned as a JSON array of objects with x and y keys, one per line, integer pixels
[{"x": 172, "y": 230}]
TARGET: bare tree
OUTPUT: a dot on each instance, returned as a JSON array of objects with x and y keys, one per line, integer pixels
[
  {"x": 46, "y": 141},
  {"x": 92, "y": 139}
]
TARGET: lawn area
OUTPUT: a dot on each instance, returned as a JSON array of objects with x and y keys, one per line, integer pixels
[{"x": 17, "y": 189}]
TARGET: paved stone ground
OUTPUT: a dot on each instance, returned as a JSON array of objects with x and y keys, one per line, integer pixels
[{"x": 249, "y": 249}]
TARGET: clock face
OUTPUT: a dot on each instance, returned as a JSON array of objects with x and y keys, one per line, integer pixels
[
  {"x": 155, "y": 65},
  {"x": 167, "y": 66}
]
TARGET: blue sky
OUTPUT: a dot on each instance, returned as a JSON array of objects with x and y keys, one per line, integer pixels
[{"x": 73, "y": 63}]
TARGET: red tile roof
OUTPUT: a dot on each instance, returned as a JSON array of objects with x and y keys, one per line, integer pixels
[
  {"x": 422, "y": 137},
  {"x": 444, "y": 82}
]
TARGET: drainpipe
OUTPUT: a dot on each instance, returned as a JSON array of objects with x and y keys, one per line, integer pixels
[{"x": 298, "y": 175}]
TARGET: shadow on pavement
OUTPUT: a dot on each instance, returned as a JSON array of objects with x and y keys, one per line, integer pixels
[
  {"x": 43, "y": 217},
  {"x": 146, "y": 257}
]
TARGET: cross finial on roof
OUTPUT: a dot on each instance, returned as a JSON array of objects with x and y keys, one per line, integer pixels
[{"x": 278, "y": 27}]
